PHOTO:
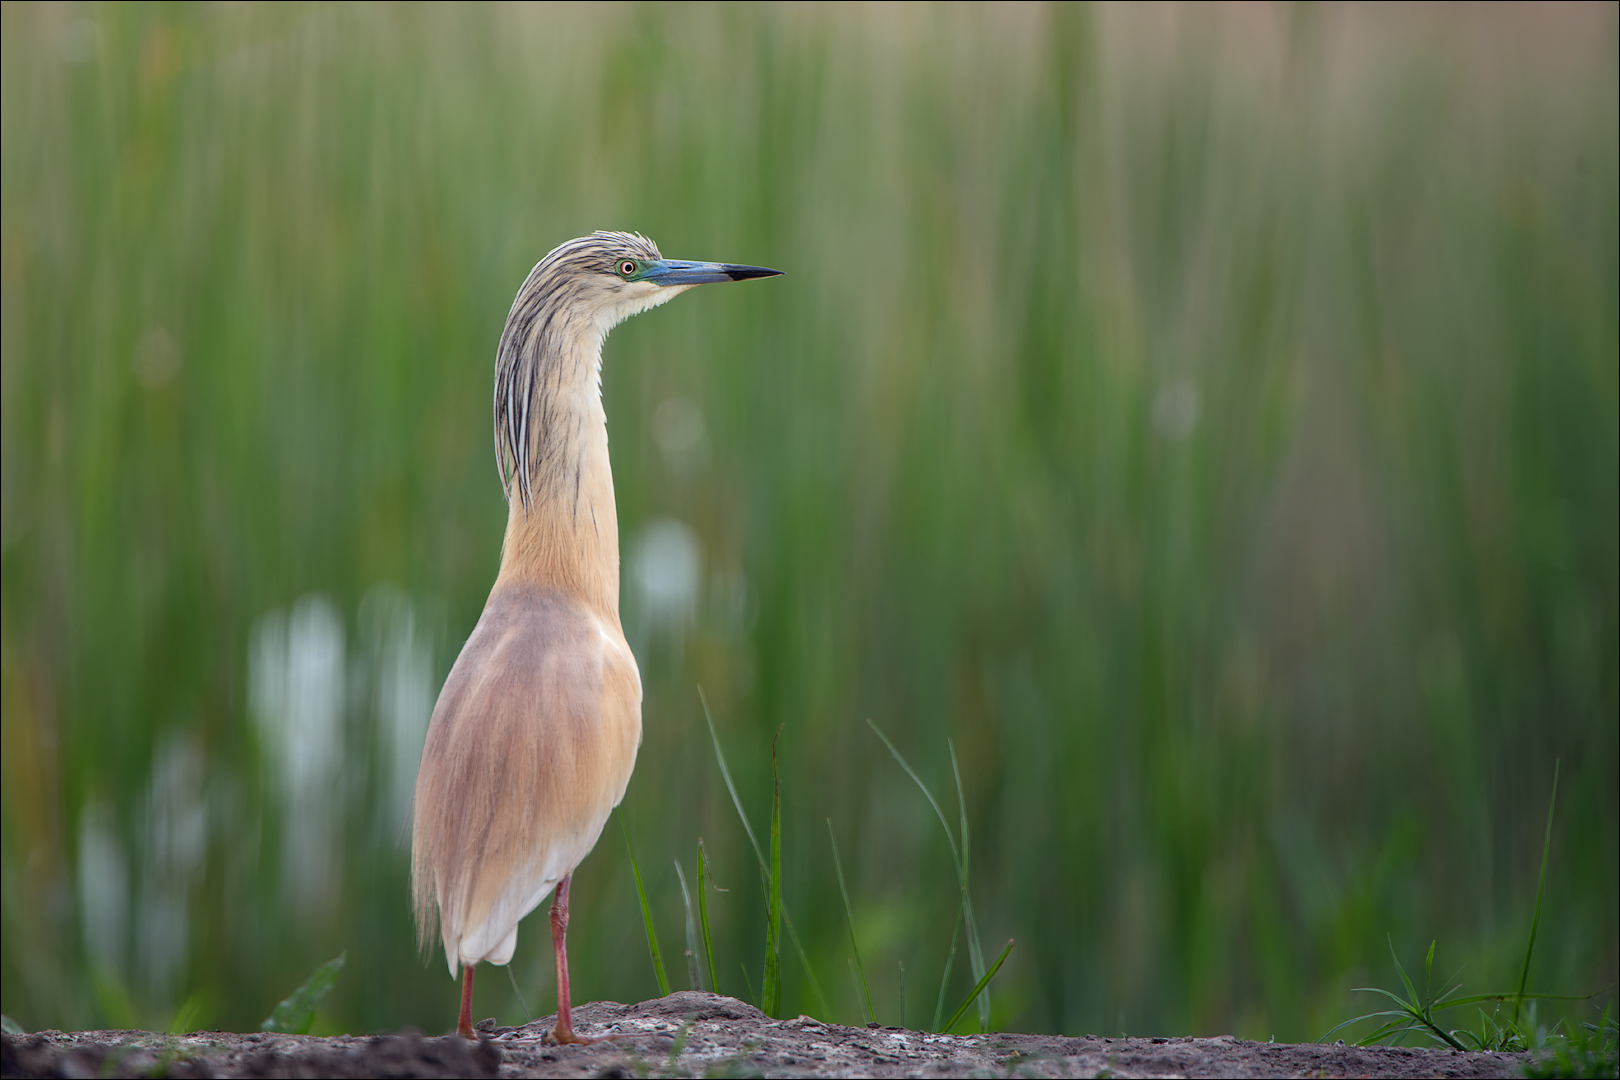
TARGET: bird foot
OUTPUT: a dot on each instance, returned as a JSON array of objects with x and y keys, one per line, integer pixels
[{"x": 567, "y": 1036}]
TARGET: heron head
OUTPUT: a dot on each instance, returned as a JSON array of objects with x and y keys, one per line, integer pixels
[{"x": 615, "y": 275}]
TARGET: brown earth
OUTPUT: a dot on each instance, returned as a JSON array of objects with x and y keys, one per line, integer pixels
[{"x": 695, "y": 1034}]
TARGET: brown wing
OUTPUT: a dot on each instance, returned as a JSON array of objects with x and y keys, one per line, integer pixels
[{"x": 530, "y": 747}]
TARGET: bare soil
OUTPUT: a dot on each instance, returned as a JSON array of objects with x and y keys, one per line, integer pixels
[{"x": 695, "y": 1034}]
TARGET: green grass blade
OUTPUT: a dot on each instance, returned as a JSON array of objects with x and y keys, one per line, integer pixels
[
  {"x": 766, "y": 1003},
  {"x": 773, "y": 924},
  {"x": 771, "y": 980},
  {"x": 753, "y": 998},
  {"x": 186, "y": 1017},
  {"x": 524, "y": 1005},
  {"x": 691, "y": 931},
  {"x": 1405, "y": 1005},
  {"x": 804, "y": 959},
  {"x": 1473, "y": 999},
  {"x": 1443, "y": 1035},
  {"x": 1444, "y": 999},
  {"x": 703, "y": 916},
  {"x": 956, "y": 856},
  {"x": 1358, "y": 1019},
  {"x": 1397, "y": 1028},
  {"x": 1411, "y": 990},
  {"x": 961, "y": 810},
  {"x": 1535, "y": 919},
  {"x": 296, "y": 1013},
  {"x": 849, "y": 920},
  {"x": 646, "y": 911},
  {"x": 725, "y": 773},
  {"x": 979, "y": 988},
  {"x": 975, "y": 950},
  {"x": 945, "y": 979}
]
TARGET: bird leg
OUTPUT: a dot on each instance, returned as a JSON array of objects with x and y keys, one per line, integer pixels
[
  {"x": 465, "y": 1028},
  {"x": 564, "y": 1031}
]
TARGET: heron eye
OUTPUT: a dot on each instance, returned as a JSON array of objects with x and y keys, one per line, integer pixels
[{"x": 627, "y": 268}]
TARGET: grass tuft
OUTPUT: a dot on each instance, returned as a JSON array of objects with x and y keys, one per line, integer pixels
[
  {"x": 1588, "y": 1050},
  {"x": 1417, "y": 1013}
]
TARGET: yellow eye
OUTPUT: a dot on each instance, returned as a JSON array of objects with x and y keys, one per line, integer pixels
[{"x": 627, "y": 268}]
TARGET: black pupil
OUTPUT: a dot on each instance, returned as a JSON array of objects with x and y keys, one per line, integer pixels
[{"x": 628, "y": 268}]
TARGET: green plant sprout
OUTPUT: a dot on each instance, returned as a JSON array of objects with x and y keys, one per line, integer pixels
[{"x": 296, "y": 1013}]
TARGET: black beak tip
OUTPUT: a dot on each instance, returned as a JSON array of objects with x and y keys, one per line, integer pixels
[{"x": 744, "y": 273}]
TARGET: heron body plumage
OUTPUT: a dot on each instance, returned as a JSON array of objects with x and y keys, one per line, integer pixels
[
  {"x": 534, "y": 736},
  {"x": 539, "y": 721}
]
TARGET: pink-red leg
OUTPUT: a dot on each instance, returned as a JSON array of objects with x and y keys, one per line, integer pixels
[
  {"x": 564, "y": 1031},
  {"x": 465, "y": 1028}
]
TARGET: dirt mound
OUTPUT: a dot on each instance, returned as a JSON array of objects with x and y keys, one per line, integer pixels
[{"x": 695, "y": 1034}]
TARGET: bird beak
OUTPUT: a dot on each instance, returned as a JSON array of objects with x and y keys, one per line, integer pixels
[{"x": 679, "y": 272}]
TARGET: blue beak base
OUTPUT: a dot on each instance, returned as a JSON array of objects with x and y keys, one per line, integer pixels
[{"x": 679, "y": 272}]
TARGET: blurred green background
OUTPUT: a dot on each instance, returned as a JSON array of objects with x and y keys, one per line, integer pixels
[{"x": 1206, "y": 418}]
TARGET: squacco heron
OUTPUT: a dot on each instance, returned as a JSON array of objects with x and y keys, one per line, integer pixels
[{"x": 535, "y": 732}]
